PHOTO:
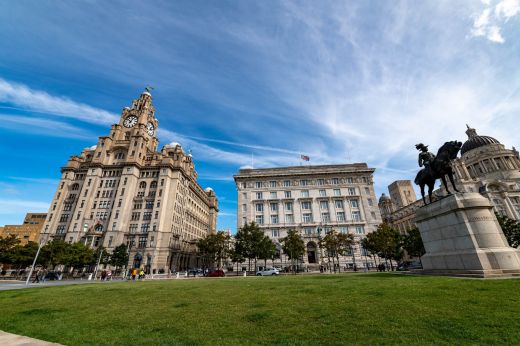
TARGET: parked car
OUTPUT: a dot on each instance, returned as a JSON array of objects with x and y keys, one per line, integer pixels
[
  {"x": 268, "y": 272},
  {"x": 52, "y": 276},
  {"x": 216, "y": 273},
  {"x": 195, "y": 272}
]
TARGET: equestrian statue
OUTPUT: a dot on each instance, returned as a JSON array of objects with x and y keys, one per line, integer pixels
[{"x": 436, "y": 167}]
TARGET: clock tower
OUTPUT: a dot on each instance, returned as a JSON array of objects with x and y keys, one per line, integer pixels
[{"x": 124, "y": 191}]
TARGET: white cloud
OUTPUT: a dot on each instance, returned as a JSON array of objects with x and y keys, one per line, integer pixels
[
  {"x": 42, "y": 126},
  {"x": 13, "y": 206},
  {"x": 488, "y": 23},
  {"x": 40, "y": 101}
]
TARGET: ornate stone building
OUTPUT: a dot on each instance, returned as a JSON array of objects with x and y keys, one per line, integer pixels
[
  {"x": 28, "y": 231},
  {"x": 312, "y": 200},
  {"x": 124, "y": 191},
  {"x": 485, "y": 166}
]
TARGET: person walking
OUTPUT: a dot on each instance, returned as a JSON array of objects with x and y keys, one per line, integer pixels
[
  {"x": 37, "y": 276},
  {"x": 141, "y": 274},
  {"x": 134, "y": 273}
]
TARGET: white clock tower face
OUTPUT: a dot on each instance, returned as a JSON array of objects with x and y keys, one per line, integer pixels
[
  {"x": 130, "y": 121},
  {"x": 150, "y": 129}
]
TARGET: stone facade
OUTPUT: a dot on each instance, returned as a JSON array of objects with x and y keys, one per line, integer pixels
[
  {"x": 462, "y": 237},
  {"x": 124, "y": 191},
  {"x": 312, "y": 200},
  {"x": 485, "y": 166},
  {"x": 28, "y": 231}
]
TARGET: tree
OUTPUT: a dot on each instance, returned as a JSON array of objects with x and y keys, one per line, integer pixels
[
  {"x": 293, "y": 245},
  {"x": 511, "y": 229},
  {"x": 119, "y": 257},
  {"x": 413, "y": 244},
  {"x": 337, "y": 244},
  {"x": 248, "y": 240},
  {"x": 386, "y": 242},
  {"x": 214, "y": 247},
  {"x": 79, "y": 255},
  {"x": 266, "y": 249},
  {"x": 55, "y": 252},
  {"x": 23, "y": 255},
  {"x": 7, "y": 246}
]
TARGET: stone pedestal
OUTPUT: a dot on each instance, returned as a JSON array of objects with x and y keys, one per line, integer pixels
[{"x": 462, "y": 237}]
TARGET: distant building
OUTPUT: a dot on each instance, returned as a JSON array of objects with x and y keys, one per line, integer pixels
[
  {"x": 124, "y": 191},
  {"x": 485, "y": 166},
  {"x": 28, "y": 231},
  {"x": 312, "y": 200}
]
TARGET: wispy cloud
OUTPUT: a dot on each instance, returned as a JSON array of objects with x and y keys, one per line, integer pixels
[
  {"x": 13, "y": 206},
  {"x": 489, "y": 22},
  {"x": 43, "y": 126},
  {"x": 44, "y": 181},
  {"x": 37, "y": 100}
]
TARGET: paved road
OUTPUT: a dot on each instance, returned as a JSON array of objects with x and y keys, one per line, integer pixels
[{"x": 19, "y": 340}]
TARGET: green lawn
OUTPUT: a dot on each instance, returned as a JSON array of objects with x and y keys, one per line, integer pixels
[{"x": 296, "y": 310}]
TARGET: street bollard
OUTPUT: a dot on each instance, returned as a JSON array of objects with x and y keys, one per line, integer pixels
[{"x": 245, "y": 273}]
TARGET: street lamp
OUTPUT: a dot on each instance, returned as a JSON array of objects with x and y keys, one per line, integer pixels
[
  {"x": 319, "y": 229},
  {"x": 42, "y": 243}
]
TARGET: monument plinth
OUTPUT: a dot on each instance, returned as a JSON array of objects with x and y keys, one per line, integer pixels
[{"x": 462, "y": 237}]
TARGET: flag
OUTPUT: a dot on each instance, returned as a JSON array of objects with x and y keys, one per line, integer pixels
[{"x": 305, "y": 157}]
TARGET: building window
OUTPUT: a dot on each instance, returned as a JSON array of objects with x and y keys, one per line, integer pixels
[
  {"x": 306, "y": 205},
  {"x": 145, "y": 227},
  {"x": 337, "y": 192},
  {"x": 273, "y": 207},
  {"x": 135, "y": 216},
  {"x": 286, "y": 183},
  {"x": 325, "y": 217},
  {"x": 142, "y": 241},
  {"x": 308, "y": 230},
  {"x": 259, "y": 219},
  {"x": 289, "y": 218},
  {"x": 367, "y": 191},
  {"x": 335, "y": 181},
  {"x": 274, "y": 219},
  {"x": 307, "y": 218},
  {"x": 370, "y": 203},
  {"x": 324, "y": 205},
  {"x": 258, "y": 185},
  {"x": 288, "y": 206},
  {"x": 354, "y": 203},
  {"x": 114, "y": 226},
  {"x": 287, "y": 194},
  {"x": 275, "y": 233},
  {"x": 352, "y": 191},
  {"x": 323, "y": 193},
  {"x": 356, "y": 216},
  {"x": 259, "y": 195},
  {"x": 272, "y": 195},
  {"x": 244, "y": 208},
  {"x": 272, "y": 183},
  {"x": 360, "y": 230},
  {"x": 373, "y": 214},
  {"x": 340, "y": 216},
  {"x": 321, "y": 182},
  {"x": 338, "y": 204},
  {"x": 305, "y": 193},
  {"x": 259, "y": 207},
  {"x": 343, "y": 229},
  {"x": 132, "y": 228},
  {"x": 147, "y": 215},
  {"x": 303, "y": 182}
]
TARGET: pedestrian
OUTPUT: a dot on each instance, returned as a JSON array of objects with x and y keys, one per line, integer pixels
[
  {"x": 103, "y": 275},
  {"x": 37, "y": 276},
  {"x": 109, "y": 275},
  {"x": 134, "y": 273},
  {"x": 141, "y": 274}
]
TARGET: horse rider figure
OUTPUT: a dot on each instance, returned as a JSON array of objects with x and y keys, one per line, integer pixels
[{"x": 425, "y": 157}]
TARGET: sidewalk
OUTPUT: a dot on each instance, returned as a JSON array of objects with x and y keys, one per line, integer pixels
[{"x": 9, "y": 339}]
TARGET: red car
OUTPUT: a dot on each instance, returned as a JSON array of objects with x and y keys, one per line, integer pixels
[{"x": 216, "y": 273}]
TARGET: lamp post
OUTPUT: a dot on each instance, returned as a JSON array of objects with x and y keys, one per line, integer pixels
[
  {"x": 353, "y": 257},
  {"x": 321, "y": 248},
  {"x": 42, "y": 242}
]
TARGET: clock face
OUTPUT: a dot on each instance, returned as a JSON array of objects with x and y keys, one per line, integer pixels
[
  {"x": 150, "y": 128},
  {"x": 130, "y": 121}
]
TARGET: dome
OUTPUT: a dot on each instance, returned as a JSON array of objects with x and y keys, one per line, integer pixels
[
  {"x": 475, "y": 141},
  {"x": 208, "y": 189},
  {"x": 383, "y": 198}
]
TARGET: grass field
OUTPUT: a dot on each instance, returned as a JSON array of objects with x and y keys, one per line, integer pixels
[{"x": 300, "y": 310}]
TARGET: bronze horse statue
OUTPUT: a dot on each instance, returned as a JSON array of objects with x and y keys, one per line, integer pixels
[{"x": 438, "y": 169}]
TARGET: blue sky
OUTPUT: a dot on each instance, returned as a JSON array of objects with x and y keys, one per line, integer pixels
[{"x": 339, "y": 81}]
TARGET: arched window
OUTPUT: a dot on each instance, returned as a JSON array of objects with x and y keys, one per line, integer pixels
[
  {"x": 142, "y": 185},
  {"x": 153, "y": 185},
  {"x": 99, "y": 228}
]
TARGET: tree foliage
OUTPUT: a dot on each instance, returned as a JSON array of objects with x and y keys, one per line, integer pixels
[
  {"x": 7, "y": 245},
  {"x": 214, "y": 247},
  {"x": 511, "y": 229},
  {"x": 248, "y": 241},
  {"x": 413, "y": 244},
  {"x": 119, "y": 257},
  {"x": 385, "y": 242},
  {"x": 293, "y": 245},
  {"x": 337, "y": 244}
]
